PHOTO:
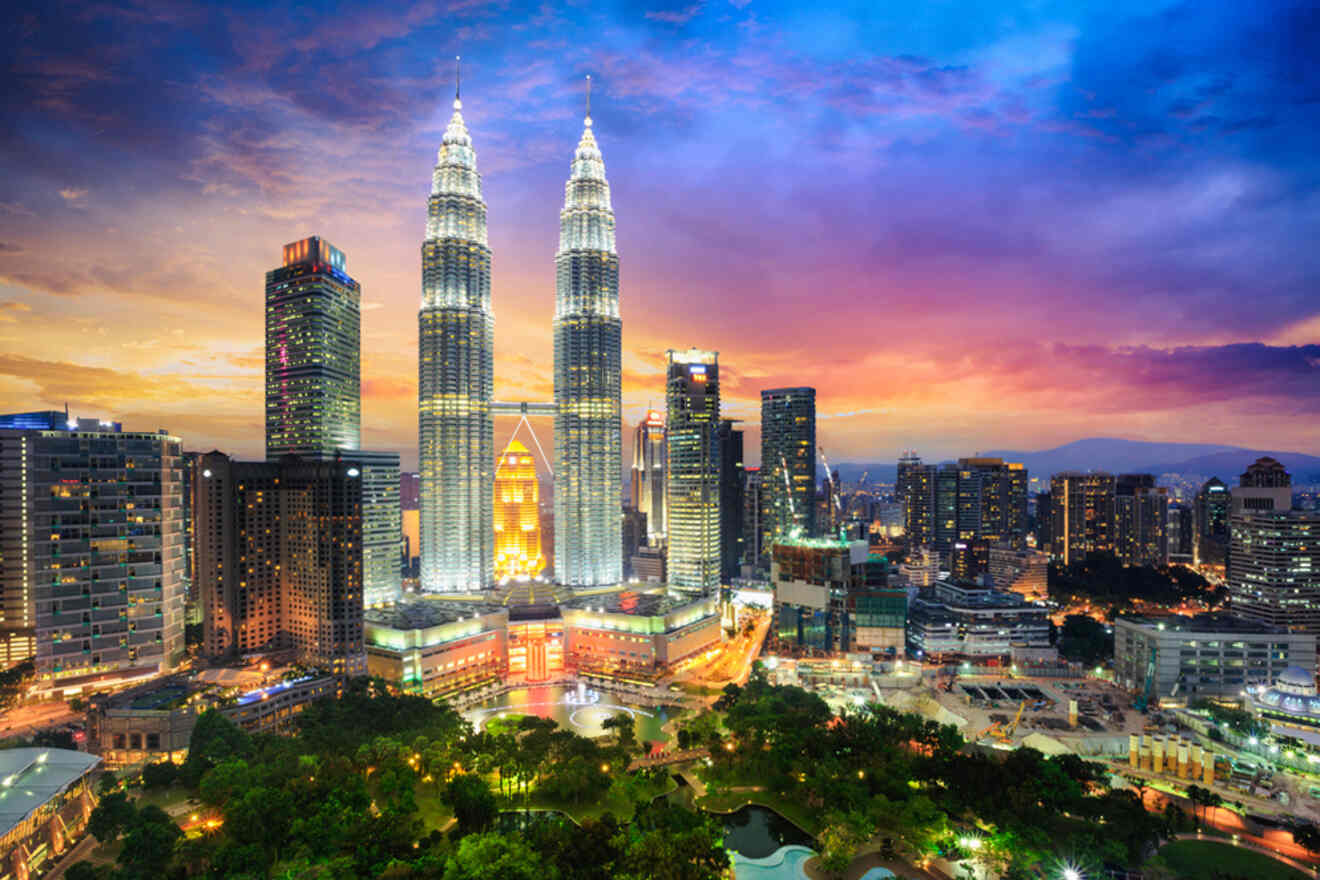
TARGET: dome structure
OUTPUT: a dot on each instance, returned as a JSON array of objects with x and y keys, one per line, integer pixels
[
  {"x": 1296, "y": 680},
  {"x": 1291, "y": 700}
]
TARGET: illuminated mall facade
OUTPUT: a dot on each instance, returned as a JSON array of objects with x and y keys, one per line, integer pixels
[{"x": 445, "y": 647}]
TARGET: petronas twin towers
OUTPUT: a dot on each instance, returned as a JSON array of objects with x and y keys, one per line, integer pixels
[{"x": 456, "y": 376}]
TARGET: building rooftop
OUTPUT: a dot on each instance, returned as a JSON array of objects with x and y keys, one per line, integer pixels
[
  {"x": 648, "y": 604},
  {"x": 30, "y": 777},
  {"x": 1222, "y": 622},
  {"x": 423, "y": 613},
  {"x": 167, "y": 697}
]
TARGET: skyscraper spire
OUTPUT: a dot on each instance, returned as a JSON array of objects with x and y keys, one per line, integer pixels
[
  {"x": 588, "y": 348},
  {"x": 458, "y": 82},
  {"x": 455, "y": 373},
  {"x": 588, "y": 122}
]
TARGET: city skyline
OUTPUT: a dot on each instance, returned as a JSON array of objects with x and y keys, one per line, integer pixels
[{"x": 1121, "y": 221}]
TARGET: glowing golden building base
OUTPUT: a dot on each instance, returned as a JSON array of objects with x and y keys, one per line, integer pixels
[{"x": 517, "y": 515}]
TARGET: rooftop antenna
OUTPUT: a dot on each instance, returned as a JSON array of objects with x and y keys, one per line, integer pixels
[
  {"x": 458, "y": 80},
  {"x": 588, "y": 99}
]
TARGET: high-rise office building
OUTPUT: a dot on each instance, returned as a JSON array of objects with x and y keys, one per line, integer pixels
[
  {"x": 313, "y": 393},
  {"x": 975, "y": 500},
  {"x": 91, "y": 551},
  {"x": 280, "y": 558},
  {"x": 456, "y": 375},
  {"x": 1182, "y": 533},
  {"x": 1273, "y": 552},
  {"x": 788, "y": 464},
  {"x": 192, "y": 603},
  {"x": 1211, "y": 522},
  {"x": 1082, "y": 515},
  {"x": 944, "y": 492},
  {"x": 313, "y": 338},
  {"x": 588, "y": 391},
  {"x": 517, "y": 514},
  {"x": 648, "y": 473},
  {"x": 1141, "y": 514},
  {"x": 633, "y": 537},
  {"x": 907, "y": 462},
  {"x": 692, "y": 399},
  {"x": 410, "y": 503},
  {"x": 992, "y": 501},
  {"x": 752, "y": 507},
  {"x": 732, "y": 480},
  {"x": 382, "y": 527},
  {"x": 1264, "y": 486},
  {"x": 915, "y": 488},
  {"x": 1044, "y": 522}
]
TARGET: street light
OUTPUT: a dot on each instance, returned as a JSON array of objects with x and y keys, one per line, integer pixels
[{"x": 1072, "y": 874}]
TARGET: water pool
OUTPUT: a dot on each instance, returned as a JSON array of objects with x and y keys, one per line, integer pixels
[
  {"x": 758, "y": 832},
  {"x": 784, "y": 863}
]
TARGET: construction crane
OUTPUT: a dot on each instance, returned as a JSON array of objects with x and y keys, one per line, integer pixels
[
  {"x": 993, "y": 728},
  {"x": 1144, "y": 701},
  {"x": 836, "y": 491},
  {"x": 1005, "y": 735},
  {"x": 788, "y": 486}
]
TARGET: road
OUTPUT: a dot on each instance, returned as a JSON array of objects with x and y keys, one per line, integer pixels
[
  {"x": 26, "y": 720},
  {"x": 1273, "y": 840},
  {"x": 80, "y": 851}
]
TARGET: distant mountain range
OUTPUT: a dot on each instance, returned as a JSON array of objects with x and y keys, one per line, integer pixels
[{"x": 1126, "y": 456}]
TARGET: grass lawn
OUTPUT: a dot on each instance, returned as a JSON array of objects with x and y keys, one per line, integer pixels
[
  {"x": 504, "y": 723},
  {"x": 433, "y": 813},
  {"x": 166, "y": 798},
  {"x": 1197, "y": 858}
]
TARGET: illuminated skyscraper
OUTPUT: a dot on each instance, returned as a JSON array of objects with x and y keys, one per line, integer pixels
[
  {"x": 1083, "y": 516},
  {"x": 517, "y": 515},
  {"x": 313, "y": 393},
  {"x": 1273, "y": 551},
  {"x": 648, "y": 473},
  {"x": 91, "y": 551},
  {"x": 788, "y": 464},
  {"x": 1141, "y": 520},
  {"x": 693, "y": 472},
  {"x": 455, "y": 375},
  {"x": 588, "y": 352},
  {"x": 313, "y": 335},
  {"x": 279, "y": 558}
]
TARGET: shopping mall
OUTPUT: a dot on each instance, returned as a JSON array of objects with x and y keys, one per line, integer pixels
[{"x": 448, "y": 644}]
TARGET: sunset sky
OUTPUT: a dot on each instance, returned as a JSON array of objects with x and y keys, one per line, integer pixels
[{"x": 969, "y": 226}]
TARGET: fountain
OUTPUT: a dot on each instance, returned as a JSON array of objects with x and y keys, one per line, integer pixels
[{"x": 583, "y": 696}]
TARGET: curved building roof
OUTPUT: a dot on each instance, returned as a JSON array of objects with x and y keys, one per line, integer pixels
[{"x": 29, "y": 777}]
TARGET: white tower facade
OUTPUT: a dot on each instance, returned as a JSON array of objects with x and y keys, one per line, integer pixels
[
  {"x": 456, "y": 375},
  {"x": 588, "y": 354}
]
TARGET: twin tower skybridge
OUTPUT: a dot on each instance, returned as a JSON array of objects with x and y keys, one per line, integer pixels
[{"x": 524, "y": 409}]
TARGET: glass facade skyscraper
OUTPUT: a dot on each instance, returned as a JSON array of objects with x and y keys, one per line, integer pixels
[
  {"x": 692, "y": 398},
  {"x": 588, "y": 355},
  {"x": 313, "y": 338},
  {"x": 456, "y": 342},
  {"x": 314, "y": 394},
  {"x": 788, "y": 464},
  {"x": 648, "y": 473}
]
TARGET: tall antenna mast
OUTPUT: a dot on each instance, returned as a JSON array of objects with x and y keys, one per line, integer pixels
[
  {"x": 458, "y": 79},
  {"x": 588, "y": 99}
]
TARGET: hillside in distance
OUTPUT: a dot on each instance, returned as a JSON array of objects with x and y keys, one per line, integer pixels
[{"x": 1124, "y": 456}]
